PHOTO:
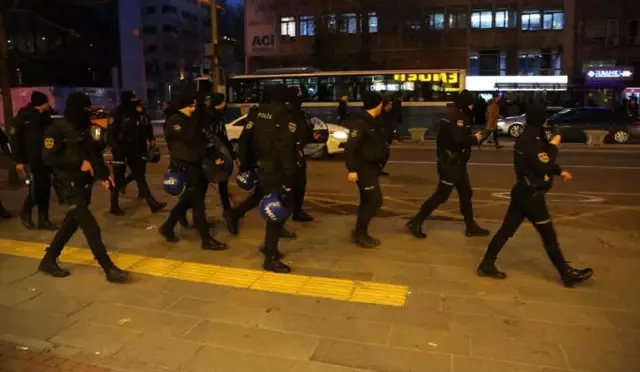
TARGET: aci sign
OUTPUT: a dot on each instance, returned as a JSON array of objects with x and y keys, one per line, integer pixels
[{"x": 609, "y": 74}]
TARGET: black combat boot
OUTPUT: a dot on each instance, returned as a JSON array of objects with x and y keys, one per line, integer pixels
[
  {"x": 364, "y": 240},
  {"x": 168, "y": 234},
  {"x": 278, "y": 255},
  {"x": 26, "y": 219},
  {"x": 210, "y": 244},
  {"x": 571, "y": 276},
  {"x": 473, "y": 229},
  {"x": 488, "y": 269},
  {"x": 286, "y": 234},
  {"x": 115, "y": 205},
  {"x": 44, "y": 223},
  {"x": 302, "y": 217},
  {"x": 155, "y": 205},
  {"x": 49, "y": 265},
  {"x": 273, "y": 263},
  {"x": 112, "y": 272},
  {"x": 233, "y": 222},
  {"x": 415, "y": 228},
  {"x": 5, "y": 213}
]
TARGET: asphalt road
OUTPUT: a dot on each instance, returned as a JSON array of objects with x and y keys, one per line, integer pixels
[{"x": 605, "y": 191}]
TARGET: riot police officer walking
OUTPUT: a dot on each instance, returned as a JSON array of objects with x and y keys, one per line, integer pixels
[
  {"x": 271, "y": 142},
  {"x": 26, "y": 142},
  {"x": 188, "y": 148},
  {"x": 365, "y": 153},
  {"x": 454, "y": 144},
  {"x": 130, "y": 134},
  {"x": 304, "y": 131},
  {"x": 70, "y": 150},
  {"x": 534, "y": 159}
]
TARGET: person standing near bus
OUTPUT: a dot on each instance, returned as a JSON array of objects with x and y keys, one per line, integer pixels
[{"x": 343, "y": 108}]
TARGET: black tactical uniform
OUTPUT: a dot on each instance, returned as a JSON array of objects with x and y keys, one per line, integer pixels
[
  {"x": 188, "y": 147},
  {"x": 129, "y": 135},
  {"x": 535, "y": 165},
  {"x": 4, "y": 146},
  {"x": 68, "y": 147},
  {"x": 219, "y": 129},
  {"x": 247, "y": 161},
  {"x": 304, "y": 132},
  {"x": 454, "y": 150},
  {"x": 26, "y": 142},
  {"x": 389, "y": 118},
  {"x": 365, "y": 152},
  {"x": 271, "y": 140}
]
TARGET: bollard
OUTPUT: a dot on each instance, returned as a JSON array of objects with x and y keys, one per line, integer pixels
[
  {"x": 417, "y": 134},
  {"x": 596, "y": 137}
]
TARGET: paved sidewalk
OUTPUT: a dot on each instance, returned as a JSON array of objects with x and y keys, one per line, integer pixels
[{"x": 16, "y": 358}]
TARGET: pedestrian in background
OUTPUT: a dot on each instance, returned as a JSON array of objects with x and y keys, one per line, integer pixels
[{"x": 492, "y": 117}]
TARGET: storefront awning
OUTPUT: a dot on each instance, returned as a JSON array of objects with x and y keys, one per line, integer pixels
[{"x": 516, "y": 83}]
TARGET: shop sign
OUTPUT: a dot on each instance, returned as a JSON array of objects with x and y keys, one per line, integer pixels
[
  {"x": 429, "y": 77},
  {"x": 609, "y": 74}
]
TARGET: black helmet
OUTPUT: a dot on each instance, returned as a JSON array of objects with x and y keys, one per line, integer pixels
[{"x": 464, "y": 99}]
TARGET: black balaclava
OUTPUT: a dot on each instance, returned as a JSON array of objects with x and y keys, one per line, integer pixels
[
  {"x": 294, "y": 97},
  {"x": 275, "y": 94},
  {"x": 464, "y": 100},
  {"x": 78, "y": 109},
  {"x": 129, "y": 101}
]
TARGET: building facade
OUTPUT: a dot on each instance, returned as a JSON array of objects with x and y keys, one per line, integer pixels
[
  {"x": 607, "y": 50},
  {"x": 174, "y": 35},
  {"x": 485, "y": 37}
]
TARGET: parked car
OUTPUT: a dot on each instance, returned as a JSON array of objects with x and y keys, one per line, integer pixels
[
  {"x": 338, "y": 136},
  {"x": 572, "y": 122},
  {"x": 513, "y": 125}
]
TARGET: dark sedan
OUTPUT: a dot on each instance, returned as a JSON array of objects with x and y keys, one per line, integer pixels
[{"x": 572, "y": 122}]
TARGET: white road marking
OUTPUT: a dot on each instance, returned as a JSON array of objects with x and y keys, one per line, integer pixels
[
  {"x": 577, "y": 166},
  {"x": 584, "y": 198}
]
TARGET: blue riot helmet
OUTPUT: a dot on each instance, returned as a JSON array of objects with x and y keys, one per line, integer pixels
[
  {"x": 153, "y": 156},
  {"x": 247, "y": 180},
  {"x": 174, "y": 183},
  {"x": 273, "y": 208}
]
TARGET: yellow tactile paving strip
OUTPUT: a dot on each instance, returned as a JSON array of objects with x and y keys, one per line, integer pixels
[{"x": 301, "y": 285}]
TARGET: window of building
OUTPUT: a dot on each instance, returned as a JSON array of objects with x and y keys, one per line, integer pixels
[
  {"x": 489, "y": 63},
  {"x": 373, "y": 22},
  {"x": 149, "y": 30},
  {"x": 435, "y": 20},
  {"x": 170, "y": 9},
  {"x": 458, "y": 18},
  {"x": 531, "y": 20},
  {"x": 502, "y": 18},
  {"x": 553, "y": 20},
  {"x": 331, "y": 22},
  {"x": 170, "y": 28},
  {"x": 348, "y": 23},
  {"x": 288, "y": 26},
  {"x": 482, "y": 19},
  {"x": 149, "y": 10},
  {"x": 414, "y": 25},
  {"x": 544, "y": 62},
  {"x": 307, "y": 26}
]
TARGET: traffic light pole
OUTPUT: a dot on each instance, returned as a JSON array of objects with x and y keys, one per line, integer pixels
[{"x": 215, "y": 61}]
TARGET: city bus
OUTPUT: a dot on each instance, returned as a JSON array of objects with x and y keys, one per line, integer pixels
[{"x": 424, "y": 93}]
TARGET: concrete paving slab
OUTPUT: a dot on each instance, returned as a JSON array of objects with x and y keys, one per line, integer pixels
[
  {"x": 170, "y": 353},
  {"x": 94, "y": 338},
  {"x": 214, "y": 359}
]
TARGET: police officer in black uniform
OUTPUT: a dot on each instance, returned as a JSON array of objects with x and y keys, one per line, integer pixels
[
  {"x": 188, "y": 147},
  {"x": 535, "y": 164},
  {"x": 146, "y": 122},
  {"x": 271, "y": 141},
  {"x": 130, "y": 134},
  {"x": 304, "y": 131},
  {"x": 70, "y": 150},
  {"x": 454, "y": 150},
  {"x": 248, "y": 162},
  {"x": 26, "y": 142},
  {"x": 365, "y": 152}
]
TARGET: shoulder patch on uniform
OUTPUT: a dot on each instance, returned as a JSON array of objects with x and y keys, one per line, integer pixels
[
  {"x": 354, "y": 133},
  {"x": 177, "y": 127},
  {"x": 460, "y": 123},
  {"x": 292, "y": 127},
  {"x": 544, "y": 157},
  {"x": 49, "y": 142},
  {"x": 249, "y": 125}
]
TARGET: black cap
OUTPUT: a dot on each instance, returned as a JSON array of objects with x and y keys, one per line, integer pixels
[
  {"x": 128, "y": 96},
  {"x": 38, "y": 98},
  {"x": 186, "y": 98},
  {"x": 371, "y": 100},
  {"x": 464, "y": 99},
  {"x": 275, "y": 94},
  {"x": 217, "y": 98}
]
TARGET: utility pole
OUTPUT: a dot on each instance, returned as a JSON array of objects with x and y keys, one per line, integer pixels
[
  {"x": 5, "y": 88},
  {"x": 215, "y": 60}
]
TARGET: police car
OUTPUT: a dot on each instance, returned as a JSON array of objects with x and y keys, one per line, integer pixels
[{"x": 338, "y": 136}]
